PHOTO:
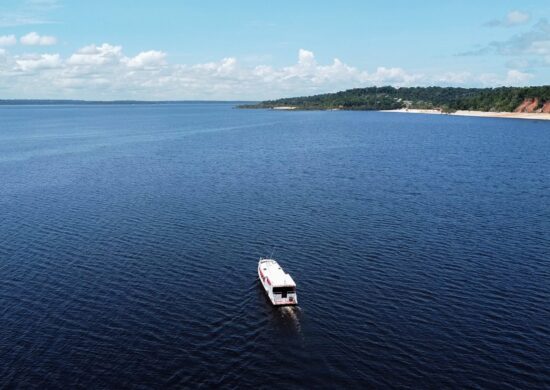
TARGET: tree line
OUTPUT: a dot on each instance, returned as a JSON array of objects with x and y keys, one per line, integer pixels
[{"x": 388, "y": 98}]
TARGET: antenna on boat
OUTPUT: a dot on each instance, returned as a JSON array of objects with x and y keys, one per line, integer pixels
[{"x": 272, "y": 250}]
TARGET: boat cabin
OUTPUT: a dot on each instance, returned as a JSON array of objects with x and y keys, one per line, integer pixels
[{"x": 279, "y": 286}]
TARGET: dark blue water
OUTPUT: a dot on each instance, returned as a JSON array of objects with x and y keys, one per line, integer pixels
[{"x": 129, "y": 240}]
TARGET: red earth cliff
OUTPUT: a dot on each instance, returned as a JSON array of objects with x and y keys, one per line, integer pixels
[{"x": 528, "y": 105}]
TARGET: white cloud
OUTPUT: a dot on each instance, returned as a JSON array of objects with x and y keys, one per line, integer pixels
[
  {"x": 454, "y": 78},
  {"x": 93, "y": 55},
  {"x": 106, "y": 72},
  {"x": 306, "y": 58},
  {"x": 8, "y": 40},
  {"x": 517, "y": 78},
  {"x": 223, "y": 66},
  {"x": 513, "y": 18},
  {"x": 490, "y": 80},
  {"x": 147, "y": 59},
  {"x": 38, "y": 62},
  {"x": 517, "y": 17},
  {"x": 394, "y": 76},
  {"x": 33, "y": 39},
  {"x": 513, "y": 77}
]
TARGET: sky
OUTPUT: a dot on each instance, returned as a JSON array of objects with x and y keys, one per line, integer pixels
[{"x": 254, "y": 50}]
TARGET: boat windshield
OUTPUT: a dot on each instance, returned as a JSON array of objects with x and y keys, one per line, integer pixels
[{"x": 283, "y": 290}]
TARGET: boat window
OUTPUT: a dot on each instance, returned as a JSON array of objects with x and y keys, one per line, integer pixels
[{"x": 283, "y": 290}]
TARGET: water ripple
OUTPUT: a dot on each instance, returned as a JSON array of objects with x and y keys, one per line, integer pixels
[{"x": 128, "y": 256}]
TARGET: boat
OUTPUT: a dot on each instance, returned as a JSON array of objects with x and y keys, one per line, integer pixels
[{"x": 279, "y": 286}]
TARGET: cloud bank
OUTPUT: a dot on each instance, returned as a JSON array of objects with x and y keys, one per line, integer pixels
[{"x": 106, "y": 72}]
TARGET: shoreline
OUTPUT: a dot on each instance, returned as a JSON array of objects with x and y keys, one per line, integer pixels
[
  {"x": 484, "y": 114},
  {"x": 284, "y": 108}
]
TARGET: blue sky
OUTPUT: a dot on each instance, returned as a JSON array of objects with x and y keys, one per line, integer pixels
[{"x": 252, "y": 50}]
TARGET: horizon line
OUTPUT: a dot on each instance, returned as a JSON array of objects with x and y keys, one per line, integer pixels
[{"x": 45, "y": 101}]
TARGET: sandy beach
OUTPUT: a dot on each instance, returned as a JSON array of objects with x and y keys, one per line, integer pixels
[
  {"x": 515, "y": 115},
  {"x": 284, "y": 108}
]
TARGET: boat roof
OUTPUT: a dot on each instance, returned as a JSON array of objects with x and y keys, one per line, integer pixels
[{"x": 275, "y": 273}]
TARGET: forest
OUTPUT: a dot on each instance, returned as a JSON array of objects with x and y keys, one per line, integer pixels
[{"x": 446, "y": 99}]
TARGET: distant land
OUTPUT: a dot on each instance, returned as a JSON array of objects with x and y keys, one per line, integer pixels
[
  {"x": 92, "y": 102},
  {"x": 527, "y": 101}
]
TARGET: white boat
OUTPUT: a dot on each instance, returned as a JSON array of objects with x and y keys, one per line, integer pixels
[{"x": 278, "y": 285}]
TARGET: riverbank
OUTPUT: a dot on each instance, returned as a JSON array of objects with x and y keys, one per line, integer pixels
[
  {"x": 284, "y": 108},
  {"x": 515, "y": 115}
]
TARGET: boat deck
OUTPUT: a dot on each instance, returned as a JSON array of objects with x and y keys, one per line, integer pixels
[{"x": 273, "y": 271}]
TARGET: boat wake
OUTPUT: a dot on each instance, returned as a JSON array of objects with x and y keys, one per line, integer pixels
[{"x": 289, "y": 318}]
